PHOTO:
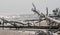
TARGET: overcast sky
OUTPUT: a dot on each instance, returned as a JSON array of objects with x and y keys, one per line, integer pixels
[{"x": 8, "y": 7}]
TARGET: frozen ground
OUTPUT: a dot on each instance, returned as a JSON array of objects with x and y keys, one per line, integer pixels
[{"x": 15, "y": 32}]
